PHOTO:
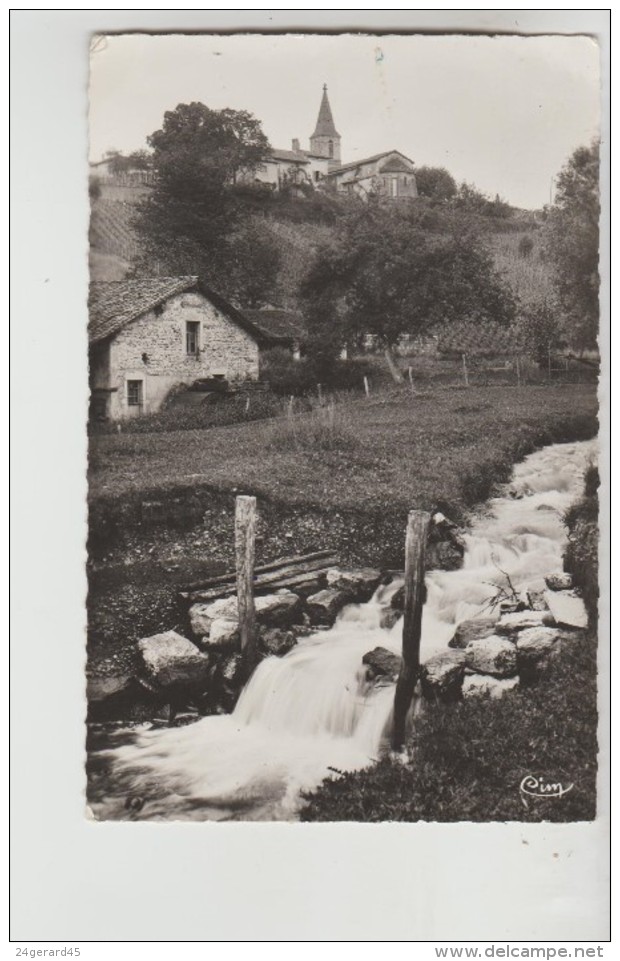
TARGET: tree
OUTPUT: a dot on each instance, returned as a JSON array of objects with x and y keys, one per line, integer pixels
[
  {"x": 572, "y": 243},
  {"x": 435, "y": 183},
  {"x": 197, "y": 156},
  {"x": 540, "y": 329},
  {"x": 385, "y": 275}
]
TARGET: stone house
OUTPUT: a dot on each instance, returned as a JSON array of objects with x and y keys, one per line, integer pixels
[
  {"x": 389, "y": 174},
  {"x": 149, "y": 335}
]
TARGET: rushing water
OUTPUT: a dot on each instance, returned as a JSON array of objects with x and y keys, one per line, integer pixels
[{"x": 313, "y": 710}]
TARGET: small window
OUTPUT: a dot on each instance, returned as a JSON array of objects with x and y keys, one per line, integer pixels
[
  {"x": 330, "y": 147},
  {"x": 192, "y": 329},
  {"x": 134, "y": 393}
]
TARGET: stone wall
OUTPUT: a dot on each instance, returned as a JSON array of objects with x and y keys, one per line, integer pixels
[{"x": 152, "y": 349}]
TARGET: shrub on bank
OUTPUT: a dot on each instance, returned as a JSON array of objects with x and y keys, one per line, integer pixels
[
  {"x": 581, "y": 556},
  {"x": 287, "y": 376}
]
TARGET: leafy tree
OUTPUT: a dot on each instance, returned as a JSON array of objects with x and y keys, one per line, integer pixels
[
  {"x": 572, "y": 242},
  {"x": 540, "y": 328},
  {"x": 470, "y": 198},
  {"x": 197, "y": 155},
  {"x": 435, "y": 183},
  {"x": 249, "y": 266},
  {"x": 385, "y": 275}
]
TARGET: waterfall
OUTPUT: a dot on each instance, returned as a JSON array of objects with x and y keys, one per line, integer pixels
[{"x": 313, "y": 710}]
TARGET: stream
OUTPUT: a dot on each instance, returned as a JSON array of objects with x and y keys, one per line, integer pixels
[{"x": 303, "y": 715}]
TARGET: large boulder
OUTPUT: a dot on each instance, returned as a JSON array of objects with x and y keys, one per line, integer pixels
[
  {"x": 170, "y": 659},
  {"x": 359, "y": 583},
  {"x": 223, "y": 633},
  {"x": 472, "y": 630},
  {"x": 381, "y": 663},
  {"x": 492, "y": 655},
  {"x": 482, "y": 685},
  {"x": 388, "y": 618},
  {"x": 510, "y": 624},
  {"x": 325, "y": 606},
  {"x": 567, "y": 608},
  {"x": 559, "y": 582},
  {"x": 273, "y": 610},
  {"x": 102, "y": 688},
  {"x": 535, "y": 644},
  {"x": 275, "y": 642},
  {"x": 441, "y": 677}
]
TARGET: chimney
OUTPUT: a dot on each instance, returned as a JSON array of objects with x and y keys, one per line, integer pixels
[{"x": 296, "y": 145}]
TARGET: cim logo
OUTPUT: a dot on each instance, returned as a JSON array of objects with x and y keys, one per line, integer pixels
[{"x": 540, "y": 787}]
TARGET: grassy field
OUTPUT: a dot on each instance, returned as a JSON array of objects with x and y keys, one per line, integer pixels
[{"x": 443, "y": 446}]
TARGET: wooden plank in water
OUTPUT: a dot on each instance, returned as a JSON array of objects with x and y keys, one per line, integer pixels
[
  {"x": 297, "y": 559},
  {"x": 283, "y": 577}
]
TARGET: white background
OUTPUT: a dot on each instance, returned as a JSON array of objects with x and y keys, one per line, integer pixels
[{"x": 76, "y": 880}]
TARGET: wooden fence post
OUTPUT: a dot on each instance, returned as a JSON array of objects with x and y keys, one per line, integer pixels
[
  {"x": 465, "y": 374},
  {"x": 415, "y": 556},
  {"x": 245, "y": 538},
  {"x": 366, "y": 386},
  {"x": 410, "y": 374}
]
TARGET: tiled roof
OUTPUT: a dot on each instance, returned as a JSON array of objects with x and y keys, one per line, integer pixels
[
  {"x": 114, "y": 304},
  {"x": 280, "y": 326},
  {"x": 292, "y": 156},
  {"x": 366, "y": 160},
  {"x": 395, "y": 165},
  {"x": 477, "y": 338}
]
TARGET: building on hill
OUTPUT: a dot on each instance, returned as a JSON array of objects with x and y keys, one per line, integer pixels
[
  {"x": 390, "y": 174},
  {"x": 147, "y": 336}
]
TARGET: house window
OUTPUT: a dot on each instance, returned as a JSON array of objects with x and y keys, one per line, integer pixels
[
  {"x": 394, "y": 187},
  {"x": 330, "y": 148},
  {"x": 134, "y": 393},
  {"x": 192, "y": 330}
]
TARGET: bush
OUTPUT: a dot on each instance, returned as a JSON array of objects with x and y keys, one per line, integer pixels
[
  {"x": 581, "y": 556},
  {"x": 287, "y": 376}
]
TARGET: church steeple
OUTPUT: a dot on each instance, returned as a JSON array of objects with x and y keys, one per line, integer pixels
[{"x": 325, "y": 141}]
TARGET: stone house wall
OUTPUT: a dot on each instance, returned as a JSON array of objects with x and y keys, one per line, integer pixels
[{"x": 152, "y": 349}]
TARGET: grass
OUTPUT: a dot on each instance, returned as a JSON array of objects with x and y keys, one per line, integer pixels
[
  {"x": 328, "y": 428},
  {"x": 468, "y": 759},
  {"x": 442, "y": 446}
]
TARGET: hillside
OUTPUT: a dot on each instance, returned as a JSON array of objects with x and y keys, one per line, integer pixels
[{"x": 115, "y": 243}]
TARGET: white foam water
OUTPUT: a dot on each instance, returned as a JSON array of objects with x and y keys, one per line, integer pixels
[{"x": 313, "y": 710}]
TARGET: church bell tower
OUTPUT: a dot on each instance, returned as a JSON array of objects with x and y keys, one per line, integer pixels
[{"x": 325, "y": 141}]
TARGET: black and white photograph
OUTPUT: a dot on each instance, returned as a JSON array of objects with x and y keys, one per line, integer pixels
[
  {"x": 343, "y": 463},
  {"x": 310, "y": 481}
]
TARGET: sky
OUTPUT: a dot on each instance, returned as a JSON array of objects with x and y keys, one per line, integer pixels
[{"x": 503, "y": 113}]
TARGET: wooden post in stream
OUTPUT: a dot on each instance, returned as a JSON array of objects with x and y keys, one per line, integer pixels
[
  {"x": 245, "y": 538},
  {"x": 415, "y": 556}
]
